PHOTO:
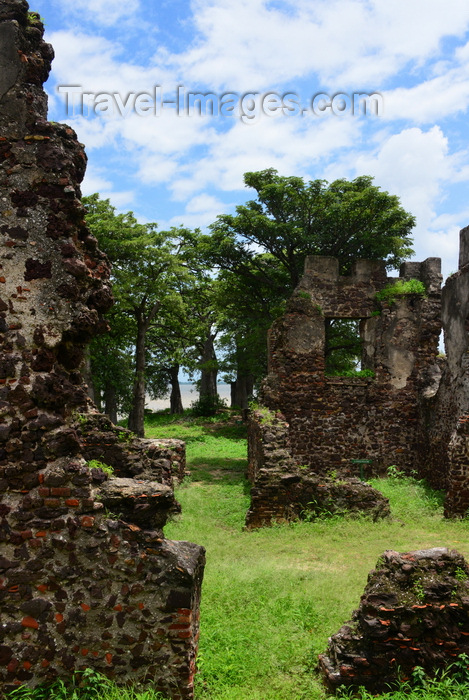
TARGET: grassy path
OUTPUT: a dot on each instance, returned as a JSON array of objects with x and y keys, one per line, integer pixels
[{"x": 272, "y": 597}]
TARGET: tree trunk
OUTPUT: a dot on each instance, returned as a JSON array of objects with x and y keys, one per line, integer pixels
[
  {"x": 233, "y": 393},
  {"x": 137, "y": 413},
  {"x": 243, "y": 386},
  {"x": 209, "y": 369},
  {"x": 175, "y": 398},
  {"x": 110, "y": 402},
  {"x": 241, "y": 391}
]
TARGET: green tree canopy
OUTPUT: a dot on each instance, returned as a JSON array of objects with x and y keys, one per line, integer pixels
[
  {"x": 291, "y": 219},
  {"x": 261, "y": 250},
  {"x": 166, "y": 290},
  {"x": 145, "y": 269}
]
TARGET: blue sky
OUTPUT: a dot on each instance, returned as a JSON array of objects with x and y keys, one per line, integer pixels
[{"x": 180, "y": 169}]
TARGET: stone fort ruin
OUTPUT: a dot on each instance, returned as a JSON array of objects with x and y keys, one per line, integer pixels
[
  {"x": 412, "y": 413},
  {"x": 87, "y": 578}
]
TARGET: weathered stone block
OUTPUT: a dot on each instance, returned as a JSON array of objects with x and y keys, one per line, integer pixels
[
  {"x": 413, "y": 612},
  {"x": 284, "y": 490},
  {"x": 73, "y": 582}
]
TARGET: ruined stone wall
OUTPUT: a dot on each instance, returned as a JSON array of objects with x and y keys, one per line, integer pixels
[
  {"x": 413, "y": 612},
  {"x": 414, "y": 413},
  {"x": 284, "y": 491},
  {"x": 333, "y": 420},
  {"x": 445, "y": 425},
  {"x": 329, "y": 421},
  {"x": 128, "y": 456},
  {"x": 87, "y": 578}
]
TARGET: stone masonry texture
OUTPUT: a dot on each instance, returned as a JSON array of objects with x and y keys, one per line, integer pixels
[
  {"x": 284, "y": 490},
  {"x": 329, "y": 421},
  {"x": 444, "y": 458},
  {"x": 87, "y": 578},
  {"x": 413, "y": 612},
  {"x": 336, "y": 419},
  {"x": 414, "y": 412}
]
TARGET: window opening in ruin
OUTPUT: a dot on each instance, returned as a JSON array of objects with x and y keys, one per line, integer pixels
[
  {"x": 344, "y": 347},
  {"x": 441, "y": 342}
]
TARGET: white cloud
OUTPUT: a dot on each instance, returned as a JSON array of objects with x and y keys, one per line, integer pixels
[
  {"x": 304, "y": 46},
  {"x": 95, "y": 181},
  {"x": 461, "y": 173},
  {"x": 168, "y": 133},
  {"x": 203, "y": 202},
  {"x": 453, "y": 220},
  {"x": 97, "y": 65},
  {"x": 94, "y": 133},
  {"x": 200, "y": 211},
  {"x": 412, "y": 164},
  {"x": 101, "y": 12},
  {"x": 343, "y": 42},
  {"x": 443, "y": 96},
  {"x": 157, "y": 169},
  {"x": 189, "y": 153},
  {"x": 121, "y": 200},
  {"x": 440, "y": 244},
  {"x": 415, "y": 165},
  {"x": 443, "y": 240},
  {"x": 291, "y": 145}
]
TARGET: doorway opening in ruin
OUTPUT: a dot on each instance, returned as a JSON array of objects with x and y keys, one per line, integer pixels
[{"x": 344, "y": 346}]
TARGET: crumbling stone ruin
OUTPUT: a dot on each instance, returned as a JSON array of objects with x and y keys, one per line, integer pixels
[
  {"x": 87, "y": 578},
  {"x": 128, "y": 455},
  {"x": 412, "y": 414},
  {"x": 336, "y": 419},
  {"x": 283, "y": 490},
  {"x": 326, "y": 422},
  {"x": 444, "y": 457},
  {"x": 413, "y": 612}
]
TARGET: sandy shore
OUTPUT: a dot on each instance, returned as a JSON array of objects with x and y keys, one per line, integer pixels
[{"x": 189, "y": 394}]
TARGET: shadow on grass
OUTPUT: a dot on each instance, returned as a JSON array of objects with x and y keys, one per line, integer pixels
[
  {"x": 216, "y": 471},
  {"x": 227, "y": 435},
  {"x": 437, "y": 497},
  {"x": 226, "y": 464},
  {"x": 216, "y": 446},
  {"x": 228, "y": 425},
  {"x": 228, "y": 432},
  {"x": 409, "y": 496}
]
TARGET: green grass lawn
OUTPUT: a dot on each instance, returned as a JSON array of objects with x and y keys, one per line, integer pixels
[
  {"x": 272, "y": 597},
  {"x": 216, "y": 447}
]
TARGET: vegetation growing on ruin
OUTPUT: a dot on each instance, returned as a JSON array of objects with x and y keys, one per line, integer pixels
[
  {"x": 204, "y": 301},
  {"x": 272, "y": 597},
  {"x": 85, "y": 685},
  {"x": 97, "y": 464},
  {"x": 35, "y": 18},
  {"x": 401, "y": 288},
  {"x": 266, "y": 416},
  {"x": 351, "y": 373}
]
